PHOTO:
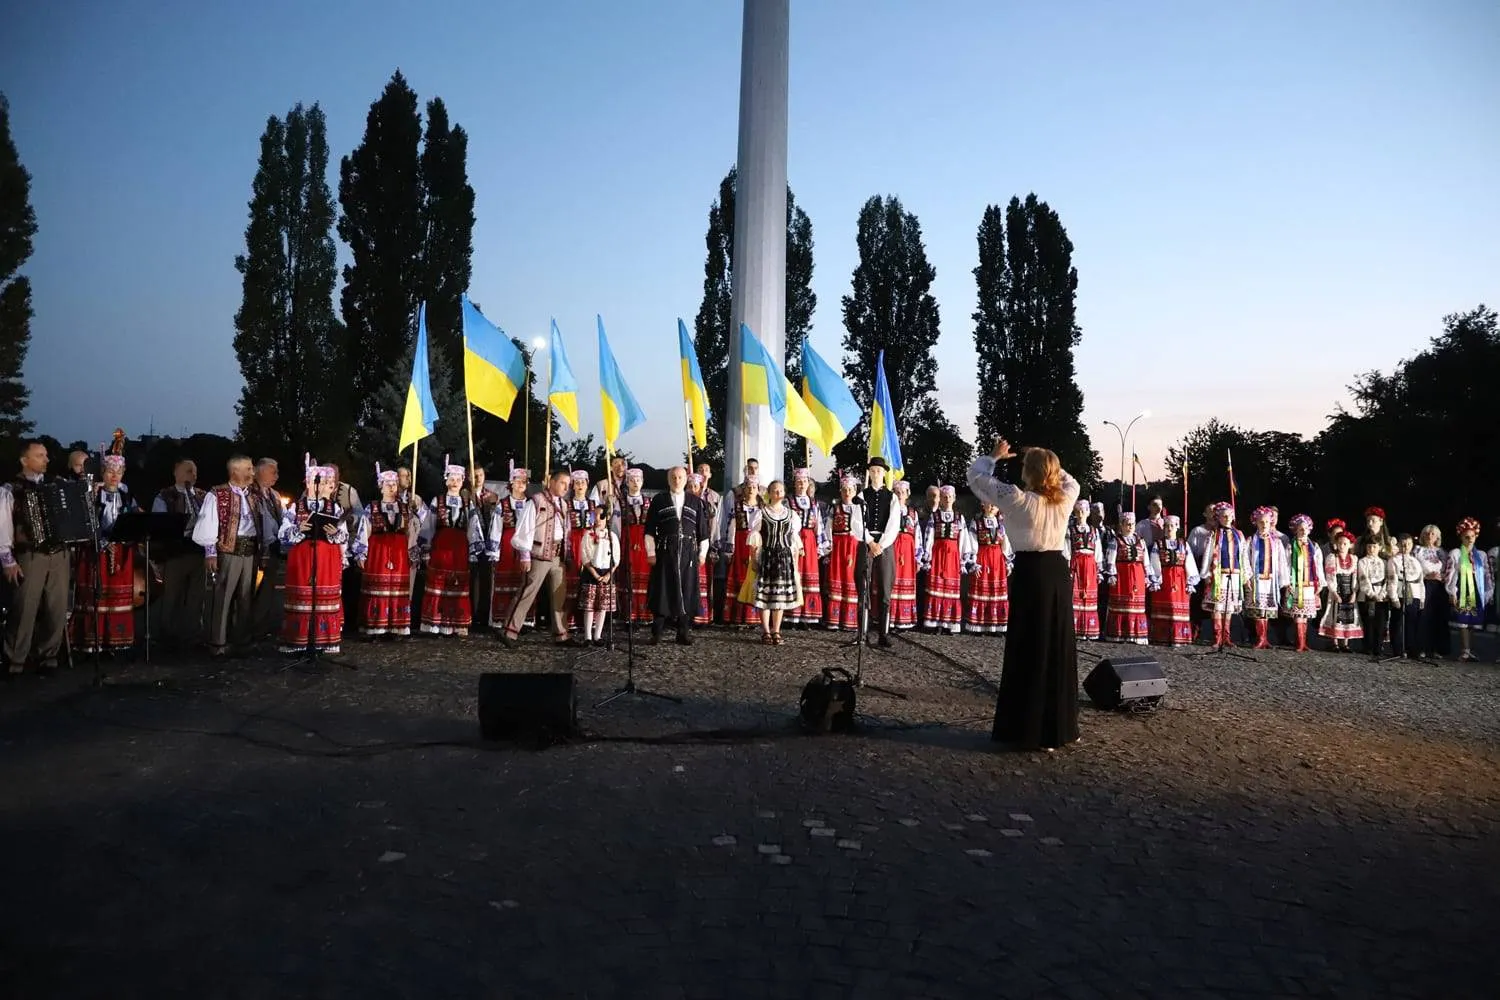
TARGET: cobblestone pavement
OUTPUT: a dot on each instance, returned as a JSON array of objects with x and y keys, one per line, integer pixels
[{"x": 1285, "y": 826}]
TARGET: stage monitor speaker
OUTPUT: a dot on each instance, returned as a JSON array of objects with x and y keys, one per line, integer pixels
[
  {"x": 1131, "y": 682},
  {"x": 527, "y": 706}
]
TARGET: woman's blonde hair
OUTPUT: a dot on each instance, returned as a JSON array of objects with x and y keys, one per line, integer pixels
[
  {"x": 1041, "y": 473},
  {"x": 1431, "y": 531}
]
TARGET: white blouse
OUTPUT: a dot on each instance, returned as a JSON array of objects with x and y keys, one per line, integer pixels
[{"x": 1033, "y": 524}]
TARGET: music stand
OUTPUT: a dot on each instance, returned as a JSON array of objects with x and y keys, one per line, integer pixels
[{"x": 142, "y": 527}]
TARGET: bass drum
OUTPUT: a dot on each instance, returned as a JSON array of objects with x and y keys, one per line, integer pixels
[{"x": 146, "y": 589}]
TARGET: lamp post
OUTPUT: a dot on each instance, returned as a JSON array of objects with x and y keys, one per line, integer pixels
[{"x": 1123, "y": 435}]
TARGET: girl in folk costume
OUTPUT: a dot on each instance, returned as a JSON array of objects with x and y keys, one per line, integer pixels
[
  {"x": 1374, "y": 595},
  {"x": 315, "y": 566},
  {"x": 776, "y": 540},
  {"x": 1470, "y": 585},
  {"x": 948, "y": 552},
  {"x": 383, "y": 547},
  {"x": 846, "y": 526},
  {"x": 599, "y": 557},
  {"x": 697, "y": 486},
  {"x": 1176, "y": 574},
  {"x": 510, "y": 577},
  {"x": 450, "y": 533},
  {"x": 1377, "y": 530},
  {"x": 1223, "y": 572},
  {"x": 104, "y": 600},
  {"x": 812, "y": 546},
  {"x": 582, "y": 515},
  {"x": 1404, "y": 588},
  {"x": 1304, "y": 579},
  {"x": 989, "y": 598},
  {"x": 1434, "y": 638},
  {"x": 1341, "y": 577},
  {"x": 1127, "y": 565},
  {"x": 905, "y": 556},
  {"x": 1084, "y": 547},
  {"x": 734, "y": 516},
  {"x": 633, "y": 508},
  {"x": 1265, "y": 574}
]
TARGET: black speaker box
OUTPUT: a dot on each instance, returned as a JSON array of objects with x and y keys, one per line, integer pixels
[
  {"x": 529, "y": 706},
  {"x": 1126, "y": 682}
]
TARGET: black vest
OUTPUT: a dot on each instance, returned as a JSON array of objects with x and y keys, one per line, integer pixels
[
  {"x": 21, "y": 521},
  {"x": 877, "y": 512}
]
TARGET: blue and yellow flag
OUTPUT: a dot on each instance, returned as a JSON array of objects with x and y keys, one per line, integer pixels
[
  {"x": 621, "y": 411},
  {"x": 563, "y": 392},
  {"x": 494, "y": 368},
  {"x": 764, "y": 383},
  {"x": 884, "y": 438},
  {"x": 421, "y": 412},
  {"x": 694, "y": 392},
  {"x": 827, "y": 395}
]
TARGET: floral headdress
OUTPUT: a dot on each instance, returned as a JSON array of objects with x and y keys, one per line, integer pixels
[
  {"x": 1375, "y": 512},
  {"x": 1468, "y": 524},
  {"x": 451, "y": 471},
  {"x": 385, "y": 477},
  {"x": 1303, "y": 520}
]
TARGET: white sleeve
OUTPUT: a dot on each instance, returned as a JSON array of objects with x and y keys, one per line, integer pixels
[
  {"x": 206, "y": 528},
  {"x": 525, "y": 531},
  {"x": 7, "y": 527}
]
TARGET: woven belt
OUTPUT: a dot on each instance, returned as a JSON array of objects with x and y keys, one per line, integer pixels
[{"x": 244, "y": 547}]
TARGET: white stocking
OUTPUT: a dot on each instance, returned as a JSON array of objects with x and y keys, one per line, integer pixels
[{"x": 588, "y": 625}]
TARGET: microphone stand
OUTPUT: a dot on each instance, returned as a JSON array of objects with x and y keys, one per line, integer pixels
[{"x": 629, "y": 686}]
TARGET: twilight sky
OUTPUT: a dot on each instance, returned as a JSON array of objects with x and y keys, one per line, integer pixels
[{"x": 1264, "y": 198}]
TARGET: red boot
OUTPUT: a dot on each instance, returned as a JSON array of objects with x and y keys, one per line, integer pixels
[
  {"x": 1301, "y": 636},
  {"x": 1261, "y": 627},
  {"x": 1219, "y": 634}
]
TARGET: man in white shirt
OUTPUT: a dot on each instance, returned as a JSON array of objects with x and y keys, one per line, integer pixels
[
  {"x": 882, "y": 523},
  {"x": 540, "y": 542},
  {"x": 235, "y": 527}
]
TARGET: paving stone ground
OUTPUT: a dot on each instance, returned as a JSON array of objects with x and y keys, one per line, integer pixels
[{"x": 1285, "y": 825}]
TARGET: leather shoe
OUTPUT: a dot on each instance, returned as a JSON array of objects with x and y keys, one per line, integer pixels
[{"x": 885, "y": 642}]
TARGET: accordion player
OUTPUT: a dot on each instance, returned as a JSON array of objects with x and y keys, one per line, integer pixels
[{"x": 39, "y": 517}]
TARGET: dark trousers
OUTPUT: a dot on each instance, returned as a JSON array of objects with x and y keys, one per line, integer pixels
[
  {"x": 1436, "y": 639},
  {"x": 481, "y": 588},
  {"x": 1406, "y": 628},
  {"x": 882, "y": 576},
  {"x": 349, "y": 586},
  {"x": 1372, "y": 617}
]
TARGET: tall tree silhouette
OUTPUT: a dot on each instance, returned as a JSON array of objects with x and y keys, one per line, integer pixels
[{"x": 17, "y": 228}]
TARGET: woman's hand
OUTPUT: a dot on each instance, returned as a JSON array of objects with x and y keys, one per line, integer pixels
[{"x": 1002, "y": 450}]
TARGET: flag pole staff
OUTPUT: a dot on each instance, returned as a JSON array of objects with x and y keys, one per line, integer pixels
[
  {"x": 469, "y": 419},
  {"x": 547, "y": 457},
  {"x": 687, "y": 413}
]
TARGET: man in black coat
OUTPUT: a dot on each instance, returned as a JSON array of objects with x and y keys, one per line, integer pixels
[
  {"x": 882, "y": 517},
  {"x": 677, "y": 536}
]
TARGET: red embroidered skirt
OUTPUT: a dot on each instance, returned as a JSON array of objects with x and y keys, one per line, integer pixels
[
  {"x": 989, "y": 592},
  {"x": 1085, "y": 570},
  {"x": 445, "y": 597},
  {"x": 944, "y": 586},
  {"x": 110, "y": 625},
  {"x": 385, "y": 585},
  {"x": 843, "y": 583},
  {"x": 1171, "y": 609},
  {"x": 1127, "y": 605},
  {"x": 320, "y": 610},
  {"x": 705, "y": 615},
  {"x": 509, "y": 579},
  {"x": 596, "y": 596},
  {"x": 736, "y": 613},
  {"x": 904, "y": 581},
  {"x": 811, "y": 611},
  {"x": 640, "y": 572}
]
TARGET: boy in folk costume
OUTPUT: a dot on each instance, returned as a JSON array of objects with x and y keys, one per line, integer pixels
[
  {"x": 812, "y": 546},
  {"x": 1470, "y": 585},
  {"x": 510, "y": 576},
  {"x": 1224, "y": 558},
  {"x": 314, "y": 567},
  {"x": 1341, "y": 576},
  {"x": 1176, "y": 574},
  {"x": 582, "y": 513},
  {"x": 1265, "y": 574},
  {"x": 905, "y": 556},
  {"x": 1373, "y": 595},
  {"x": 1406, "y": 590},
  {"x": 631, "y": 514},
  {"x": 846, "y": 526},
  {"x": 697, "y": 485},
  {"x": 108, "y": 573},
  {"x": 948, "y": 551},
  {"x": 989, "y": 591},
  {"x": 599, "y": 556},
  {"x": 1304, "y": 579},
  {"x": 733, "y": 534},
  {"x": 450, "y": 535},
  {"x": 1128, "y": 568},
  {"x": 1084, "y": 547},
  {"x": 384, "y": 545}
]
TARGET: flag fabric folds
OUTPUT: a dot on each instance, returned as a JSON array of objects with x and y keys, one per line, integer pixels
[
  {"x": 828, "y": 397},
  {"x": 763, "y": 382},
  {"x": 884, "y": 438},
  {"x": 494, "y": 368},
  {"x": 621, "y": 411},
  {"x": 694, "y": 392},
  {"x": 1233, "y": 489},
  {"x": 421, "y": 412},
  {"x": 563, "y": 392}
]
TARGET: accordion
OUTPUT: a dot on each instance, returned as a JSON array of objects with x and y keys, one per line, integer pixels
[{"x": 57, "y": 514}]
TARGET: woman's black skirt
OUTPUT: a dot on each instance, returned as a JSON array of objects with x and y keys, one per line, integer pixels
[{"x": 1038, "y": 702}]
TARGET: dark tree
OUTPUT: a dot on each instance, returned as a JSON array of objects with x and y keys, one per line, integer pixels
[
  {"x": 891, "y": 308},
  {"x": 17, "y": 228},
  {"x": 448, "y": 217},
  {"x": 584, "y": 453},
  {"x": 1025, "y": 331},
  {"x": 711, "y": 328},
  {"x": 1270, "y": 467},
  {"x": 289, "y": 343}
]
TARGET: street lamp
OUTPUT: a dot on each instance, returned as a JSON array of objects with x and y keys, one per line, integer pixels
[
  {"x": 537, "y": 344},
  {"x": 1123, "y": 435}
]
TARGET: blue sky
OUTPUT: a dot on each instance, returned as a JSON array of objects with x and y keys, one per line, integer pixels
[{"x": 1265, "y": 199}]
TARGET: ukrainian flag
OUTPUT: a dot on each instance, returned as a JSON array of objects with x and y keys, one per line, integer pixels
[
  {"x": 884, "y": 438},
  {"x": 421, "y": 411},
  {"x": 621, "y": 411},
  {"x": 694, "y": 392},
  {"x": 494, "y": 368},
  {"x": 764, "y": 383},
  {"x": 563, "y": 392},
  {"x": 827, "y": 395}
]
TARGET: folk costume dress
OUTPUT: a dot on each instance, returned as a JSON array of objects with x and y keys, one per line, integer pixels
[
  {"x": 1470, "y": 587},
  {"x": 846, "y": 527},
  {"x": 108, "y": 624},
  {"x": 510, "y": 577},
  {"x": 582, "y": 517},
  {"x": 1128, "y": 567},
  {"x": 905, "y": 558},
  {"x": 949, "y": 552},
  {"x": 1305, "y": 583},
  {"x": 386, "y": 540},
  {"x": 314, "y": 578},
  {"x": 1265, "y": 575},
  {"x": 1084, "y": 547},
  {"x": 1171, "y": 603},
  {"x": 1341, "y": 617},
  {"x": 812, "y": 546},
  {"x": 634, "y": 510},
  {"x": 989, "y": 590},
  {"x": 1223, "y": 572},
  {"x": 596, "y": 588},
  {"x": 734, "y": 535},
  {"x": 451, "y": 535},
  {"x": 776, "y": 538}
]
